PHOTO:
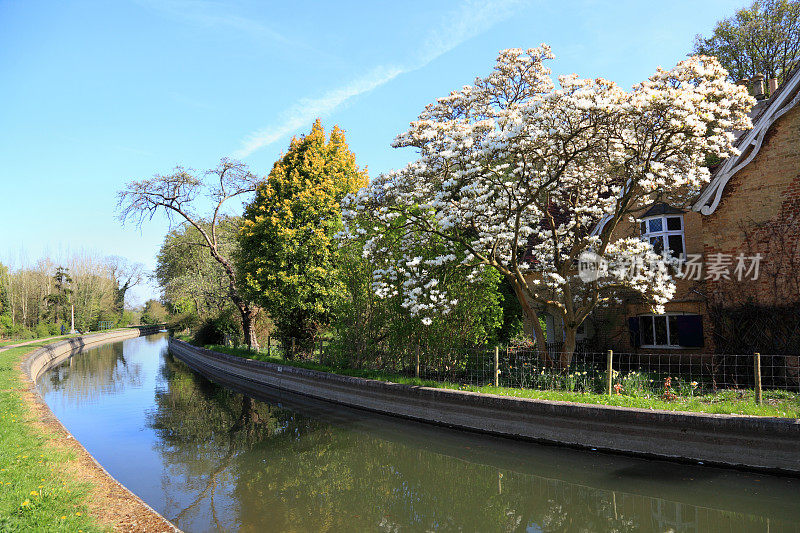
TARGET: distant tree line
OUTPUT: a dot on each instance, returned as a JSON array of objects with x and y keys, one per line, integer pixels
[{"x": 37, "y": 300}]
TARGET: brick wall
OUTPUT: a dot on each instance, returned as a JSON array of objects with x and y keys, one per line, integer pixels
[{"x": 760, "y": 213}]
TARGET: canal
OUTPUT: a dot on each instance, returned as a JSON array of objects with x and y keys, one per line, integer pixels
[{"x": 212, "y": 459}]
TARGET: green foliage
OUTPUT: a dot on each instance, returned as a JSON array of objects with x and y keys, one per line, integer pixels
[
  {"x": 763, "y": 38},
  {"x": 192, "y": 280},
  {"x": 129, "y": 317},
  {"x": 46, "y": 329},
  {"x": 288, "y": 260},
  {"x": 5, "y": 309},
  {"x": 154, "y": 313},
  {"x": 219, "y": 329},
  {"x": 6, "y": 326},
  {"x": 183, "y": 322},
  {"x": 512, "y": 327},
  {"x": 58, "y": 301},
  {"x": 381, "y": 330},
  {"x": 519, "y": 337}
]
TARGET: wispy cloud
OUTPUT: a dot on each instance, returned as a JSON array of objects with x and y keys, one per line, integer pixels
[
  {"x": 307, "y": 109},
  {"x": 472, "y": 19},
  {"x": 216, "y": 16}
]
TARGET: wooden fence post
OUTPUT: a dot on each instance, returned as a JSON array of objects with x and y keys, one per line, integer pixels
[
  {"x": 268, "y": 351},
  {"x": 609, "y": 371},
  {"x": 321, "y": 358},
  {"x": 416, "y": 363},
  {"x": 757, "y": 373},
  {"x": 292, "y": 348},
  {"x": 496, "y": 366}
]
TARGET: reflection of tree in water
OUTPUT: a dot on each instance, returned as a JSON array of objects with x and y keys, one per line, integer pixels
[
  {"x": 201, "y": 430},
  {"x": 98, "y": 372},
  {"x": 257, "y": 467}
]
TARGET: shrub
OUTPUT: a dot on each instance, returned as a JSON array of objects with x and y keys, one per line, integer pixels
[{"x": 216, "y": 330}]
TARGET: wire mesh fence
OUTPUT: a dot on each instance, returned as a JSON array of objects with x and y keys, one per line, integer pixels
[{"x": 667, "y": 374}]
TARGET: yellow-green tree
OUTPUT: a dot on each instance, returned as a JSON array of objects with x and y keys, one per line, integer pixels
[{"x": 288, "y": 257}]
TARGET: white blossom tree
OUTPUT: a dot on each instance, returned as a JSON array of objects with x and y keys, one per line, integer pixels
[{"x": 517, "y": 174}]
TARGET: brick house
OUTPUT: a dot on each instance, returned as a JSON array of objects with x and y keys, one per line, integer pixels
[{"x": 750, "y": 208}]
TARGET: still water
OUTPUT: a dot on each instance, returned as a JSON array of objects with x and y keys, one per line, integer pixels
[{"x": 212, "y": 459}]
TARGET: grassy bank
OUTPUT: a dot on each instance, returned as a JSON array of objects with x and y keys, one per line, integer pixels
[
  {"x": 36, "y": 492},
  {"x": 11, "y": 342},
  {"x": 777, "y": 403}
]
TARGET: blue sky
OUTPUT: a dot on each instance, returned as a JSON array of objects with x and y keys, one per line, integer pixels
[{"x": 94, "y": 94}]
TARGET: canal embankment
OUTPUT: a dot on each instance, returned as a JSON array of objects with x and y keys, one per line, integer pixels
[
  {"x": 48, "y": 481},
  {"x": 750, "y": 442}
]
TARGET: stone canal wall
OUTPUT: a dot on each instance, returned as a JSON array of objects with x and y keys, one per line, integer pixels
[
  {"x": 760, "y": 443},
  {"x": 46, "y": 357}
]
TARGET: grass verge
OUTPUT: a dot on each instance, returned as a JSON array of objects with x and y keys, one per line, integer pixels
[
  {"x": 776, "y": 403},
  {"x": 36, "y": 494},
  {"x": 56, "y": 338}
]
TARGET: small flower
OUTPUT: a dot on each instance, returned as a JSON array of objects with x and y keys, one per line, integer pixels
[{"x": 34, "y": 493}]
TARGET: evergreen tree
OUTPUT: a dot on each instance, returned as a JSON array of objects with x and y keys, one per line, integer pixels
[
  {"x": 288, "y": 258},
  {"x": 59, "y": 300}
]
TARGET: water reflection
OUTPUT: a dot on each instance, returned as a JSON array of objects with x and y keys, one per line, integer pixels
[
  {"x": 87, "y": 379},
  {"x": 220, "y": 460}
]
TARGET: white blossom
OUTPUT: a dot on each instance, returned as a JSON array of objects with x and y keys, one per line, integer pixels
[{"x": 515, "y": 173}]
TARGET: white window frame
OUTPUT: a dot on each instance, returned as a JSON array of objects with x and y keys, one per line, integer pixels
[
  {"x": 664, "y": 234},
  {"x": 665, "y": 316}
]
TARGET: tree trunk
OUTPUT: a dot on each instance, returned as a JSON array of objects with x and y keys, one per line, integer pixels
[
  {"x": 569, "y": 346},
  {"x": 533, "y": 316},
  {"x": 248, "y": 316}
]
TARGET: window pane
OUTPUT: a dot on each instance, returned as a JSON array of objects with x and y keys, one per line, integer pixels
[
  {"x": 646, "y": 329},
  {"x": 674, "y": 223},
  {"x": 644, "y": 227},
  {"x": 655, "y": 225},
  {"x": 657, "y": 243},
  {"x": 676, "y": 245},
  {"x": 661, "y": 330},
  {"x": 673, "y": 330}
]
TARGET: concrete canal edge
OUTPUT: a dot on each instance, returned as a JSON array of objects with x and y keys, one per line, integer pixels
[
  {"x": 748, "y": 442},
  {"x": 134, "y": 514}
]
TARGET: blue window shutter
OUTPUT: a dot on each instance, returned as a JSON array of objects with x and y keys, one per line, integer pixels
[
  {"x": 633, "y": 326},
  {"x": 690, "y": 330}
]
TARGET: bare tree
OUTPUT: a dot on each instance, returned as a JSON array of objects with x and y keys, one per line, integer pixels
[
  {"x": 127, "y": 275},
  {"x": 177, "y": 194}
]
